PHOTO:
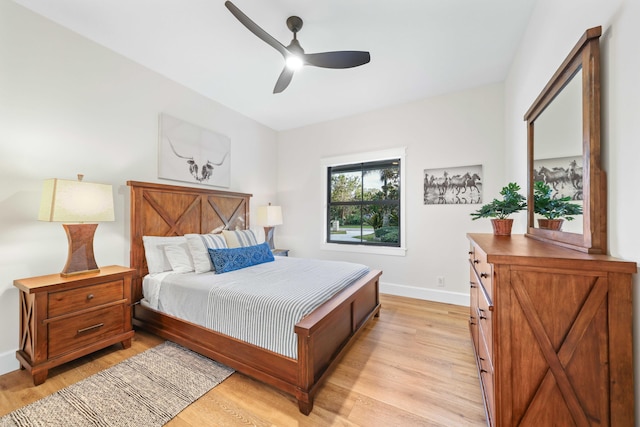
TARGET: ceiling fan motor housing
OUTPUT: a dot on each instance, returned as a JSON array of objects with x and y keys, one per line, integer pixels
[{"x": 294, "y": 23}]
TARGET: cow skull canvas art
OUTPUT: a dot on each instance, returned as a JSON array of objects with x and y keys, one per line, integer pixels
[{"x": 190, "y": 153}]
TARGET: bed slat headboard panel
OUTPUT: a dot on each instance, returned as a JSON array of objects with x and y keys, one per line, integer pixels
[{"x": 171, "y": 210}]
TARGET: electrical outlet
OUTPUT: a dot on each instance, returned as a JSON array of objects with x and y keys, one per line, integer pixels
[{"x": 441, "y": 281}]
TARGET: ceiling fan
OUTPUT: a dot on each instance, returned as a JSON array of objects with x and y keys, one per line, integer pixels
[{"x": 294, "y": 54}]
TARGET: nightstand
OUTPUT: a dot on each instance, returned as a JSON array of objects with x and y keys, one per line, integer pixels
[
  {"x": 63, "y": 318},
  {"x": 280, "y": 252}
]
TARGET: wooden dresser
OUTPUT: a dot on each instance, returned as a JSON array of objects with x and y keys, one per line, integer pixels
[
  {"x": 552, "y": 333},
  {"x": 63, "y": 318}
]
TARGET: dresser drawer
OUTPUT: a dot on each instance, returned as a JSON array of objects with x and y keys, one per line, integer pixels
[
  {"x": 77, "y": 299},
  {"x": 485, "y": 322},
  {"x": 473, "y": 309},
  {"x": 486, "y": 377},
  {"x": 74, "y": 332},
  {"x": 483, "y": 269}
]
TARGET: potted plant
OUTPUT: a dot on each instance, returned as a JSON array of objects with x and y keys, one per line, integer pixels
[
  {"x": 553, "y": 210},
  {"x": 499, "y": 210}
]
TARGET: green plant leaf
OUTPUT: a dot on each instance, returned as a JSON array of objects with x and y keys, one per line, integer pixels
[
  {"x": 512, "y": 201},
  {"x": 553, "y": 208}
]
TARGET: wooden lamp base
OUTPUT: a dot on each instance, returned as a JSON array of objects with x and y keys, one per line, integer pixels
[
  {"x": 268, "y": 236},
  {"x": 80, "y": 258}
]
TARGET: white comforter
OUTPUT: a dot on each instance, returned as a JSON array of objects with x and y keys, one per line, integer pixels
[{"x": 259, "y": 304}]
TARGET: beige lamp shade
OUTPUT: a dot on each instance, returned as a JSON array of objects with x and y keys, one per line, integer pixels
[
  {"x": 268, "y": 216},
  {"x": 76, "y": 201}
]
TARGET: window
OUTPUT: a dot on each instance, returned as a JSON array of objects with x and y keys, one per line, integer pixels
[{"x": 364, "y": 203}]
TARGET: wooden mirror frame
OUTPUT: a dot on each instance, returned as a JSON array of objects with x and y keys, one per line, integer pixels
[{"x": 584, "y": 56}]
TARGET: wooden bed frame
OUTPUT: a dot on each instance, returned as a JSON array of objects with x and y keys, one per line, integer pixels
[{"x": 323, "y": 336}]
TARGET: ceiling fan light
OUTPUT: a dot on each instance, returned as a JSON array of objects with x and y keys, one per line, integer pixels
[{"x": 294, "y": 62}]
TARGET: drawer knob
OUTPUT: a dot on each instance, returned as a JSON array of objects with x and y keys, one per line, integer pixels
[
  {"x": 90, "y": 296},
  {"x": 476, "y": 261},
  {"x": 472, "y": 284},
  {"x": 484, "y": 275}
]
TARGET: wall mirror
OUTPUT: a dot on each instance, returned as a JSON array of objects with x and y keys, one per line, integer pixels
[{"x": 563, "y": 141}]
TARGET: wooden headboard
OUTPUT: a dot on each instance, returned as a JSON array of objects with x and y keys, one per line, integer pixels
[{"x": 171, "y": 210}]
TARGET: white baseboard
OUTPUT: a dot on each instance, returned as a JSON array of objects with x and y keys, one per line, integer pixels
[
  {"x": 8, "y": 362},
  {"x": 436, "y": 295}
]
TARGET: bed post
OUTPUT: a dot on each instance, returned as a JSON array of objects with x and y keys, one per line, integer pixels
[
  {"x": 305, "y": 371},
  {"x": 136, "y": 250}
]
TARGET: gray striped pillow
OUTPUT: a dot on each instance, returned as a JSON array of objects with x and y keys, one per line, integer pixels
[
  {"x": 198, "y": 247},
  {"x": 239, "y": 238}
]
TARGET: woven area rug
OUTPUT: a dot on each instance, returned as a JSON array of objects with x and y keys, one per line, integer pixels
[{"x": 148, "y": 389}]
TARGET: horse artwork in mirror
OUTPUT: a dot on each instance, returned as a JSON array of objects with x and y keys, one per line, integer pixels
[{"x": 563, "y": 151}]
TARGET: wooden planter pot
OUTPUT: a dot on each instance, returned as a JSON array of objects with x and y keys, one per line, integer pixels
[
  {"x": 550, "y": 224},
  {"x": 502, "y": 227}
]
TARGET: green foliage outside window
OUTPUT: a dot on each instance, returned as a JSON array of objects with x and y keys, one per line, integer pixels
[{"x": 365, "y": 197}]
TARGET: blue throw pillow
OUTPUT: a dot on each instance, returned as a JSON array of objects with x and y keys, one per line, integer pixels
[{"x": 225, "y": 260}]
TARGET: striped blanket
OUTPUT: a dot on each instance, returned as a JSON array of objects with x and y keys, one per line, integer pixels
[{"x": 259, "y": 304}]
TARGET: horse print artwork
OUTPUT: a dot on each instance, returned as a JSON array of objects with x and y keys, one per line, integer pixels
[
  {"x": 190, "y": 153},
  {"x": 456, "y": 185},
  {"x": 562, "y": 174}
]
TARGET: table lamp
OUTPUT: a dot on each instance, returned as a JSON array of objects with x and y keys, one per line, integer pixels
[
  {"x": 269, "y": 216},
  {"x": 74, "y": 203}
]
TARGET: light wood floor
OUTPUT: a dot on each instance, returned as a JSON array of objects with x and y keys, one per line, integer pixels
[{"x": 413, "y": 366}]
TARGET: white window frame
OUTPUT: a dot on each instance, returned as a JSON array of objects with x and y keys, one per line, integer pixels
[{"x": 327, "y": 162}]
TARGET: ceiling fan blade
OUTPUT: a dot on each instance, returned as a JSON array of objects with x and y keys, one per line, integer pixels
[
  {"x": 283, "y": 80},
  {"x": 255, "y": 29},
  {"x": 340, "y": 59}
]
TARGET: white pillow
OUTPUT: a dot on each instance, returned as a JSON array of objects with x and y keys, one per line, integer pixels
[
  {"x": 259, "y": 233},
  {"x": 179, "y": 258},
  {"x": 239, "y": 238},
  {"x": 198, "y": 245},
  {"x": 157, "y": 260}
]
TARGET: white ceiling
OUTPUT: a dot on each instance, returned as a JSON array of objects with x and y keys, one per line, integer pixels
[{"x": 419, "y": 48}]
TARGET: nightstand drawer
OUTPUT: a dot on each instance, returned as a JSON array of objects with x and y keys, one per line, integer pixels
[
  {"x": 86, "y": 297},
  {"x": 71, "y": 333}
]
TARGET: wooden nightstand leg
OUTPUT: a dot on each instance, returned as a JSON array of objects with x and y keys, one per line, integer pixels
[
  {"x": 126, "y": 343},
  {"x": 39, "y": 376}
]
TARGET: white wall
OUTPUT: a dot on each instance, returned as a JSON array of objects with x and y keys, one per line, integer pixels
[
  {"x": 458, "y": 129},
  {"x": 68, "y": 106},
  {"x": 554, "y": 29}
]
